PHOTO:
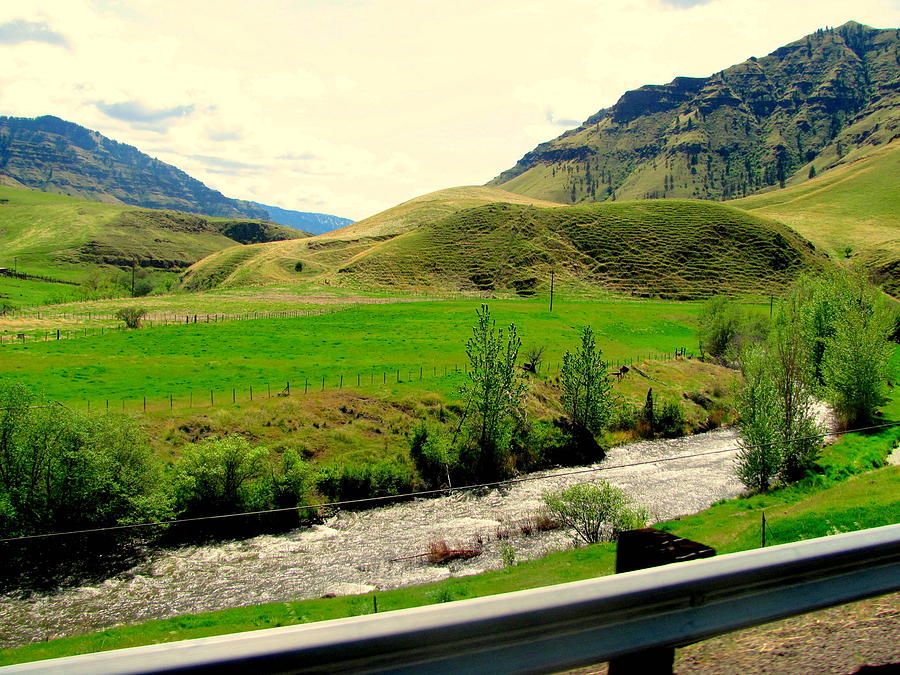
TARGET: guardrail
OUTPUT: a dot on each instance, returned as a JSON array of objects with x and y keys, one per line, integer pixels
[{"x": 545, "y": 629}]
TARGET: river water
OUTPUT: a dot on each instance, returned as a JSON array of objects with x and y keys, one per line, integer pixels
[{"x": 355, "y": 552}]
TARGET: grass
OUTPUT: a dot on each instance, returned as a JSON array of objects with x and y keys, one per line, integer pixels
[
  {"x": 853, "y": 205},
  {"x": 365, "y": 340},
  {"x": 66, "y": 238},
  {"x": 677, "y": 249},
  {"x": 815, "y": 507}
]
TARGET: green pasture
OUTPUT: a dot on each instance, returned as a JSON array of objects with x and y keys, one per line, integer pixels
[{"x": 393, "y": 342}]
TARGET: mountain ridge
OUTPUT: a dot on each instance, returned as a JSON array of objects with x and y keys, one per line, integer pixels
[{"x": 768, "y": 121}]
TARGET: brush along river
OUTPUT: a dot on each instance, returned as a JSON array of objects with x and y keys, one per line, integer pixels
[{"x": 356, "y": 552}]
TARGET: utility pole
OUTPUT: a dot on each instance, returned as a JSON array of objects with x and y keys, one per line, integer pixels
[{"x": 552, "y": 275}]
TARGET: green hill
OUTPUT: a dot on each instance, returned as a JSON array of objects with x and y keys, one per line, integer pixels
[
  {"x": 651, "y": 248},
  {"x": 51, "y": 235},
  {"x": 679, "y": 249},
  {"x": 852, "y": 211},
  {"x": 764, "y": 122},
  {"x": 318, "y": 257}
]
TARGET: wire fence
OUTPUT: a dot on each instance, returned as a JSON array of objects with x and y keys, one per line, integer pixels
[
  {"x": 302, "y": 385},
  {"x": 154, "y": 320}
]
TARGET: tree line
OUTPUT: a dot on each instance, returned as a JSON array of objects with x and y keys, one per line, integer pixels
[{"x": 830, "y": 339}]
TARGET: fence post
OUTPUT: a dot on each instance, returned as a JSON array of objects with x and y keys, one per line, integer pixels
[
  {"x": 251, "y": 392},
  {"x": 323, "y": 383},
  {"x": 170, "y": 401},
  {"x": 211, "y": 400},
  {"x": 341, "y": 385},
  {"x": 145, "y": 404},
  {"x": 288, "y": 387},
  {"x": 305, "y": 385},
  {"x": 233, "y": 395}
]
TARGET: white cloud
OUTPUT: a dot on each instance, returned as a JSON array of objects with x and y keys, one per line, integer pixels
[{"x": 351, "y": 107}]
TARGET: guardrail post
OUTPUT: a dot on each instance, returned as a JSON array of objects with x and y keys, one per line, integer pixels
[{"x": 638, "y": 550}]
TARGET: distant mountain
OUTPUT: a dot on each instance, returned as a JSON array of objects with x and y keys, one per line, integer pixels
[
  {"x": 825, "y": 99},
  {"x": 314, "y": 223},
  {"x": 52, "y": 155}
]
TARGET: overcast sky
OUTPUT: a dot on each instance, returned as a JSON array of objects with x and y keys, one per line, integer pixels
[{"x": 351, "y": 106}]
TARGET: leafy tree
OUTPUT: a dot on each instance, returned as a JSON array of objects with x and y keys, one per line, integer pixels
[
  {"x": 596, "y": 511},
  {"x": 215, "y": 475},
  {"x": 723, "y": 329},
  {"x": 586, "y": 388},
  {"x": 848, "y": 328},
  {"x": 759, "y": 459},
  {"x": 779, "y": 433},
  {"x": 856, "y": 358},
  {"x": 495, "y": 394},
  {"x": 64, "y": 470},
  {"x": 792, "y": 377}
]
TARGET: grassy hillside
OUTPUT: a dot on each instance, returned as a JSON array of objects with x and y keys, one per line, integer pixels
[
  {"x": 654, "y": 248},
  {"x": 462, "y": 239},
  {"x": 61, "y": 237},
  {"x": 852, "y": 209},
  {"x": 291, "y": 261}
]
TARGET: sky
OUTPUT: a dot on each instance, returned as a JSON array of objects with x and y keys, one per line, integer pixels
[{"x": 349, "y": 107}]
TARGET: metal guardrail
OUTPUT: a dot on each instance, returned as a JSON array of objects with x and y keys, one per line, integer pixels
[{"x": 544, "y": 629}]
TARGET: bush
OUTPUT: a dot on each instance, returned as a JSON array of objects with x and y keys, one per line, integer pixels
[
  {"x": 723, "y": 329},
  {"x": 364, "y": 480},
  {"x": 132, "y": 316},
  {"x": 432, "y": 453},
  {"x": 6, "y": 307},
  {"x": 671, "y": 421},
  {"x": 596, "y": 511}
]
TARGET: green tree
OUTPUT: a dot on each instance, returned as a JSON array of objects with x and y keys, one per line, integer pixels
[
  {"x": 495, "y": 392},
  {"x": 64, "y": 470},
  {"x": 586, "y": 387},
  {"x": 759, "y": 459},
  {"x": 215, "y": 476},
  {"x": 856, "y": 357},
  {"x": 779, "y": 433},
  {"x": 596, "y": 511}
]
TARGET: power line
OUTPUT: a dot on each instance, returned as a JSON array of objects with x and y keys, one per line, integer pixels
[{"x": 424, "y": 493}]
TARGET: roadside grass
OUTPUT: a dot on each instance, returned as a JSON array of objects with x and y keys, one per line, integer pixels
[
  {"x": 387, "y": 341},
  {"x": 811, "y": 509}
]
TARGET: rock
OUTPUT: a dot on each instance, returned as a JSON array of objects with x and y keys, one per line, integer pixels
[{"x": 346, "y": 588}]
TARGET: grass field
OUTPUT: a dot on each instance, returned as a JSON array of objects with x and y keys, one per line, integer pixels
[
  {"x": 363, "y": 340},
  {"x": 853, "y": 206}
]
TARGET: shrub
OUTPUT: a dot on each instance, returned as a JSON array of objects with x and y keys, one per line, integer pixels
[
  {"x": 132, "y": 316},
  {"x": 671, "y": 421},
  {"x": 214, "y": 476},
  {"x": 433, "y": 454},
  {"x": 596, "y": 511},
  {"x": 364, "y": 480}
]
